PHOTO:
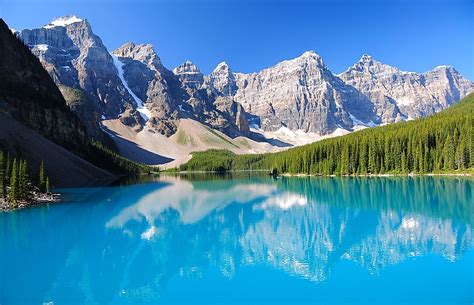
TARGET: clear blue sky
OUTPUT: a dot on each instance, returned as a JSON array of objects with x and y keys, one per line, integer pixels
[{"x": 414, "y": 35}]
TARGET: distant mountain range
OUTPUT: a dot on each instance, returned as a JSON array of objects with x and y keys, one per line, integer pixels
[{"x": 132, "y": 96}]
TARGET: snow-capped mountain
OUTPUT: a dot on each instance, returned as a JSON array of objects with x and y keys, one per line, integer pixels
[{"x": 296, "y": 99}]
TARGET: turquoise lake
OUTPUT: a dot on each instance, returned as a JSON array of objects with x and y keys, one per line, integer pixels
[{"x": 240, "y": 239}]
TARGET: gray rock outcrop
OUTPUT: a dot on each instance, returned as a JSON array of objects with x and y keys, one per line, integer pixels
[{"x": 298, "y": 94}]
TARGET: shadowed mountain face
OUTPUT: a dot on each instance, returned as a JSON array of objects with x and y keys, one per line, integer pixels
[
  {"x": 35, "y": 121},
  {"x": 29, "y": 95},
  {"x": 147, "y": 242},
  {"x": 301, "y": 94}
]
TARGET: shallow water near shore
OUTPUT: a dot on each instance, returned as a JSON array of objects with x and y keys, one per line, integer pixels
[{"x": 245, "y": 239}]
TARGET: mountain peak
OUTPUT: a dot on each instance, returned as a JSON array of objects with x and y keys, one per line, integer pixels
[
  {"x": 444, "y": 67},
  {"x": 189, "y": 74},
  {"x": 144, "y": 53},
  {"x": 63, "y": 21},
  {"x": 128, "y": 45},
  {"x": 367, "y": 64},
  {"x": 310, "y": 55},
  {"x": 186, "y": 68},
  {"x": 131, "y": 46},
  {"x": 366, "y": 58},
  {"x": 221, "y": 67},
  {"x": 222, "y": 79}
]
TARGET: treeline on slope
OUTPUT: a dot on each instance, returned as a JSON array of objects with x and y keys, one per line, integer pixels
[
  {"x": 216, "y": 160},
  {"x": 439, "y": 143},
  {"x": 15, "y": 184},
  {"x": 105, "y": 158}
]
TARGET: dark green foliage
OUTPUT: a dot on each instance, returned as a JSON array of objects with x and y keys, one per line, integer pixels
[
  {"x": 17, "y": 182},
  {"x": 42, "y": 178},
  {"x": 111, "y": 161},
  {"x": 215, "y": 160},
  {"x": 24, "y": 182},
  {"x": 47, "y": 186},
  {"x": 14, "y": 193},
  {"x": 8, "y": 168},
  {"x": 20, "y": 184},
  {"x": 442, "y": 142},
  {"x": 2, "y": 175}
]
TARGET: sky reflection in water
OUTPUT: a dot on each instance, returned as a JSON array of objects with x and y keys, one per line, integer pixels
[{"x": 230, "y": 240}]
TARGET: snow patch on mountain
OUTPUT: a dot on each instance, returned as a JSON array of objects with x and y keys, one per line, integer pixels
[
  {"x": 144, "y": 112},
  {"x": 63, "y": 21},
  {"x": 404, "y": 101},
  {"x": 41, "y": 47},
  {"x": 358, "y": 122},
  {"x": 299, "y": 137}
]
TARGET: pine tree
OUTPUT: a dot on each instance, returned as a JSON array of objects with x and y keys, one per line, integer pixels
[
  {"x": 344, "y": 163},
  {"x": 8, "y": 168},
  {"x": 42, "y": 178},
  {"x": 24, "y": 181},
  {"x": 449, "y": 157},
  {"x": 2, "y": 175},
  {"x": 47, "y": 185},
  {"x": 14, "y": 183}
]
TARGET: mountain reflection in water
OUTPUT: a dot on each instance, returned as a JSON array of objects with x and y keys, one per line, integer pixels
[{"x": 140, "y": 237}]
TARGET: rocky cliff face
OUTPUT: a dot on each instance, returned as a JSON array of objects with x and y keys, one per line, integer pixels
[
  {"x": 152, "y": 84},
  {"x": 131, "y": 83},
  {"x": 75, "y": 57},
  {"x": 189, "y": 75},
  {"x": 300, "y": 94},
  {"x": 35, "y": 120},
  {"x": 222, "y": 80},
  {"x": 28, "y": 94},
  {"x": 167, "y": 96},
  {"x": 400, "y": 95}
]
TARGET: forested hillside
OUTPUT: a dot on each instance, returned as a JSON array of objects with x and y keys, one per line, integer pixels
[
  {"x": 37, "y": 125},
  {"x": 440, "y": 143}
]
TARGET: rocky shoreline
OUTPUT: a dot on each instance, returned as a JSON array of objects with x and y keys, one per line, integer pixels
[{"x": 38, "y": 199}]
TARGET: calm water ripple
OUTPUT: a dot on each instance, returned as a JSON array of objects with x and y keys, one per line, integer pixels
[{"x": 245, "y": 240}]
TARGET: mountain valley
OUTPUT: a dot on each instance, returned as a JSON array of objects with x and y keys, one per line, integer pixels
[{"x": 148, "y": 109}]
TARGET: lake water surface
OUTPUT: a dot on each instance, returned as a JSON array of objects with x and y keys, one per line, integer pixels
[{"x": 245, "y": 240}]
